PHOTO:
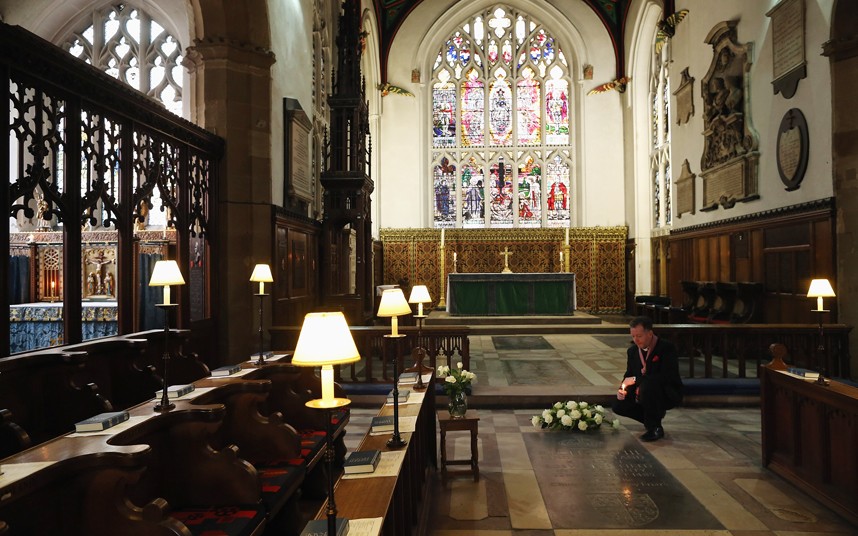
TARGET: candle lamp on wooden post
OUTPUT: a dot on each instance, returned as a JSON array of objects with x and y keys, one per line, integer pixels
[
  {"x": 261, "y": 274},
  {"x": 419, "y": 295},
  {"x": 325, "y": 341},
  {"x": 820, "y": 288},
  {"x": 393, "y": 305},
  {"x": 166, "y": 273}
]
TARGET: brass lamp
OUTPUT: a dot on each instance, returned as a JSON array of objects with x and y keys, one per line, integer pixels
[
  {"x": 325, "y": 340},
  {"x": 419, "y": 295},
  {"x": 820, "y": 288},
  {"x": 393, "y": 305},
  {"x": 166, "y": 273},
  {"x": 261, "y": 274}
]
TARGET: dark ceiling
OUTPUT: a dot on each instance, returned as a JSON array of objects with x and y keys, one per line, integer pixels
[{"x": 392, "y": 13}]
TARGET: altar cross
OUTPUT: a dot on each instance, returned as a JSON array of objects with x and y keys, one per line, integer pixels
[{"x": 505, "y": 254}]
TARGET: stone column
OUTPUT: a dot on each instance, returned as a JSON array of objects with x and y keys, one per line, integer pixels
[{"x": 232, "y": 98}]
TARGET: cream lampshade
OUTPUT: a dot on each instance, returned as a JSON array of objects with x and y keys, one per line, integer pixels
[
  {"x": 166, "y": 273},
  {"x": 262, "y": 274},
  {"x": 393, "y": 304},
  {"x": 419, "y": 295},
  {"x": 325, "y": 340},
  {"x": 820, "y": 288}
]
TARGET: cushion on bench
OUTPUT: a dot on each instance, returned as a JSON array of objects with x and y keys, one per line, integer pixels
[{"x": 221, "y": 521}]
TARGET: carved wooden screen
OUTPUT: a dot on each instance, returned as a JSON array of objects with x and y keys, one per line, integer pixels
[{"x": 88, "y": 159}]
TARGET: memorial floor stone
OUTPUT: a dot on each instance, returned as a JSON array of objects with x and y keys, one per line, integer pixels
[
  {"x": 541, "y": 372},
  {"x": 607, "y": 479},
  {"x": 521, "y": 342}
]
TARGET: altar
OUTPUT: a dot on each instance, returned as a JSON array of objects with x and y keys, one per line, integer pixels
[
  {"x": 491, "y": 294},
  {"x": 40, "y": 325}
]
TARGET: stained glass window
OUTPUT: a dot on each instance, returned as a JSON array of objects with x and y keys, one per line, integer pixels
[
  {"x": 660, "y": 132},
  {"x": 557, "y": 178},
  {"x": 501, "y": 81},
  {"x": 473, "y": 110},
  {"x": 445, "y": 193},
  {"x": 500, "y": 179},
  {"x": 500, "y": 111},
  {"x": 473, "y": 194},
  {"x": 529, "y": 194}
]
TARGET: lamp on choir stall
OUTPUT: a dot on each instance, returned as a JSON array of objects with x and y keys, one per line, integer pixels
[
  {"x": 166, "y": 273},
  {"x": 324, "y": 341},
  {"x": 419, "y": 295},
  {"x": 820, "y": 288},
  {"x": 393, "y": 305},
  {"x": 261, "y": 274}
]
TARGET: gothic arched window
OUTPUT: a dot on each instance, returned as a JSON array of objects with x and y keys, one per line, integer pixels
[
  {"x": 129, "y": 45},
  {"x": 660, "y": 134},
  {"x": 501, "y": 145}
]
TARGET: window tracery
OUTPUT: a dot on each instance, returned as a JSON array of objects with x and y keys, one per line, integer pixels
[{"x": 500, "y": 138}]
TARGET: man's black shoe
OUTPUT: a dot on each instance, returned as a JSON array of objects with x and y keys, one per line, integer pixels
[{"x": 653, "y": 434}]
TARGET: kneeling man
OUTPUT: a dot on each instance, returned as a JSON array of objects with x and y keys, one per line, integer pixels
[{"x": 651, "y": 384}]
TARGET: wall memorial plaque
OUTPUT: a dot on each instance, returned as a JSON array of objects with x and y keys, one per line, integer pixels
[
  {"x": 792, "y": 149},
  {"x": 684, "y": 98},
  {"x": 685, "y": 191},
  {"x": 788, "y": 62},
  {"x": 296, "y": 152}
]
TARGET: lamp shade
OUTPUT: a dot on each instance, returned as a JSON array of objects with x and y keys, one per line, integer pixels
[
  {"x": 393, "y": 303},
  {"x": 419, "y": 294},
  {"x": 820, "y": 288},
  {"x": 325, "y": 339},
  {"x": 166, "y": 273},
  {"x": 262, "y": 274}
]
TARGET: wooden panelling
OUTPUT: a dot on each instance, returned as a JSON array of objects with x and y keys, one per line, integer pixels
[
  {"x": 783, "y": 250},
  {"x": 296, "y": 286}
]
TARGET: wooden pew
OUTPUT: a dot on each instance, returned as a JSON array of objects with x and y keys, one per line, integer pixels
[
  {"x": 49, "y": 391},
  {"x": 13, "y": 438},
  {"x": 79, "y": 489}
]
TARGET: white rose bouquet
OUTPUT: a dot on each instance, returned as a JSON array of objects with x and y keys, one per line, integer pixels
[
  {"x": 572, "y": 415},
  {"x": 455, "y": 380}
]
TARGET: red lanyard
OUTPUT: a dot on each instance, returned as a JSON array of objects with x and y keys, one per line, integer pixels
[{"x": 649, "y": 349}]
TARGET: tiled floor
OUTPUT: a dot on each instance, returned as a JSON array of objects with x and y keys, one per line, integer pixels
[{"x": 704, "y": 478}]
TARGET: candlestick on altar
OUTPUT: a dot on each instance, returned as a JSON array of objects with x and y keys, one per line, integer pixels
[{"x": 566, "y": 241}]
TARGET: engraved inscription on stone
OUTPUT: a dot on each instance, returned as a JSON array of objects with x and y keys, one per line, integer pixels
[
  {"x": 789, "y": 152},
  {"x": 726, "y": 182},
  {"x": 685, "y": 190},
  {"x": 787, "y": 36},
  {"x": 300, "y": 163}
]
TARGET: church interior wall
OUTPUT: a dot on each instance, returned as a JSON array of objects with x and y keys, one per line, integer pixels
[
  {"x": 766, "y": 108},
  {"x": 291, "y": 75}
]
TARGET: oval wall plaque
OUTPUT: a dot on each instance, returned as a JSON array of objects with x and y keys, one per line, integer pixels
[{"x": 792, "y": 149}]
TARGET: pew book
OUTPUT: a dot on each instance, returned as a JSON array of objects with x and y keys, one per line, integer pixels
[
  {"x": 175, "y": 391},
  {"x": 408, "y": 377},
  {"x": 403, "y": 396},
  {"x": 228, "y": 370},
  {"x": 803, "y": 372},
  {"x": 319, "y": 527},
  {"x": 102, "y": 421},
  {"x": 381, "y": 423},
  {"x": 362, "y": 461}
]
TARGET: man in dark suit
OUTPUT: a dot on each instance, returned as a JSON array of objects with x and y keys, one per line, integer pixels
[{"x": 651, "y": 384}]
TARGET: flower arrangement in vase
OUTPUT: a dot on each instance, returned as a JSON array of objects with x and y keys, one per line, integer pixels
[{"x": 456, "y": 381}]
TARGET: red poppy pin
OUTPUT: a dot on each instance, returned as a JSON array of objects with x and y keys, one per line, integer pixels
[{"x": 655, "y": 359}]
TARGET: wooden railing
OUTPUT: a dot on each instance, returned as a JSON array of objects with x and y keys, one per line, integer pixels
[
  {"x": 447, "y": 343},
  {"x": 737, "y": 350}
]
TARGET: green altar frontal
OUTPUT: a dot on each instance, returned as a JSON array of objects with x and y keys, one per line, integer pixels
[{"x": 511, "y": 294}]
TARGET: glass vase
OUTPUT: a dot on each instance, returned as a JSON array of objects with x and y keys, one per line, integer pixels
[{"x": 458, "y": 404}]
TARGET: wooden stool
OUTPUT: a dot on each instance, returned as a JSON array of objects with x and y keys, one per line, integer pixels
[{"x": 470, "y": 422}]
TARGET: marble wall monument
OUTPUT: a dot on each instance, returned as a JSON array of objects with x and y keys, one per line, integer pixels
[{"x": 729, "y": 165}]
